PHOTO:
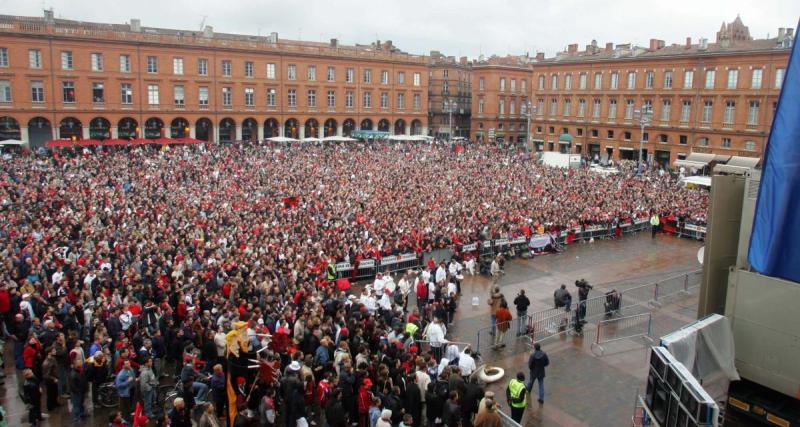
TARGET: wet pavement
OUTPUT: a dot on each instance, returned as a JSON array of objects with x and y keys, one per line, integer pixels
[{"x": 582, "y": 389}]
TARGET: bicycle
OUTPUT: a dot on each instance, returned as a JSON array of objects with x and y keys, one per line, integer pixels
[{"x": 107, "y": 395}]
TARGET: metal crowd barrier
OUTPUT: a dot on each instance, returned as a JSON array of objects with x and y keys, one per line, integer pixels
[
  {"x": 369, "y": 267},
  {"x": 622, "y": 328},
  {"x": 692, "y": 231},
  {"x": 506, "y": 420}
]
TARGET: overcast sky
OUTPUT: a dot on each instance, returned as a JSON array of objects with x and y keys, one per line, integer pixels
[{"x": 466, "y": 27}]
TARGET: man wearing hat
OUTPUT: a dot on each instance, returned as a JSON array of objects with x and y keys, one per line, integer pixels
[{"x": 291, "y": 384}]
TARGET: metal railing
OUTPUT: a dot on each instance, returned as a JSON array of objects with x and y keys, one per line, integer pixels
[
  {"x": 507, "y": 421},
  {"x": 622, "y": 328}
]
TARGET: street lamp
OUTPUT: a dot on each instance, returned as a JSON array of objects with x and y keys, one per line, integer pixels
[
  {"x": 448, "y": 106},
  {"x": 643, "y": 115},
  {"x": 531, "y": 110}
]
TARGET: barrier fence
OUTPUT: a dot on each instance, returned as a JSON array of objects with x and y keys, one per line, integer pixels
[
  {"x": 507, "y": 421},
  {"x": 544, "y": 324},
  {"x": 622, "y": 328},
  {"x": 368, "y": 268}
]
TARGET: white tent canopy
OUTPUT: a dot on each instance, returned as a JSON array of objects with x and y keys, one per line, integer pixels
[
  {"x": 338, "y": 139},
  {"x": 311, "y": 139},
  {"x": 703, "y": 181},
  {"x": 12, "y": 142},
  {"x": 281, "y": 139}
]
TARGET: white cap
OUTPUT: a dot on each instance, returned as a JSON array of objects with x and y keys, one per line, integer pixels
[{"x": 294, "y": 366}]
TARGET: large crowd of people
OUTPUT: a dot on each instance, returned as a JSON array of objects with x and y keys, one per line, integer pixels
[{"x": 124, "y": 265}]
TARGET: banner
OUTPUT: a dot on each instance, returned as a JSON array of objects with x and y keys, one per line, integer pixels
[
  {"x": 774, "y": 243},
  {"x": 539, "y": 241}
]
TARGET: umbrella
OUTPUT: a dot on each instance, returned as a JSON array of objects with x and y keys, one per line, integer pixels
[
  {"x": 338, "y": 139},
  {"x": 281, "y": 139},
  {"x": 311, "y": 139},
  {"x": 400, "y": 138},
  {"x": 115, "y": 141},
  {"x": 12, "y": 142}
]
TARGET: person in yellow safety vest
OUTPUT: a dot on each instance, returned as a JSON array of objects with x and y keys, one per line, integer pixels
[
  {"x": 331, "y": 271},
  {"x": 517, "y": 395},
  {"x": 654, "y": 223},
  {"x": 411, "y": 329}
]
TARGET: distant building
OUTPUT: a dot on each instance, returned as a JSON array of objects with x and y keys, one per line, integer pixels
[{"x": 449, "y": 87}]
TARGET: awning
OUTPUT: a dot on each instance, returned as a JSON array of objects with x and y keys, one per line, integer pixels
[
  {"x": 697, "y": 160},
  {"x": 565, "y": 137},
  {"x": 564, "y": 142},
  {"x": 541, "y": 141},
  {"x": 282, "y": 139},
  {"x": 12, "y": 142},
  {"x": 626, "y": 149},
  {"x": 369, "y": 134},
  {"x": 738, "y": 165},
  {"x": 689, "y": 164},
  {"x": 704, "y": 181}
]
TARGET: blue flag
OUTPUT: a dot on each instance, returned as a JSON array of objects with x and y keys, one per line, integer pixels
[{"x": 775, "y": 242}]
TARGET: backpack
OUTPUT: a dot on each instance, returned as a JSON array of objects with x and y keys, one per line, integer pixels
[
  {"x": 398, "y": 297},
  {"x": 442, "y": 389}
]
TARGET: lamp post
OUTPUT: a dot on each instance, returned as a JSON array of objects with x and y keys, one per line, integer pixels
[
  {"x": 531, "y": 110},
  {"x": 643, "y": 115},
  {"x": 448, "y": 105}
]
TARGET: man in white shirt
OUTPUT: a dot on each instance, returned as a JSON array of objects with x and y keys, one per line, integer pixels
[
  {"x": 466, "y": 363},
  {"x": 436, "y": 333},
  {"x": 441, "y": 274},
  {"x": 378, "y": 284}
]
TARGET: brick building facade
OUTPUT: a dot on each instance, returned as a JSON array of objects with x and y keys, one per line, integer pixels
[
  {"x": 706, "y": 97},
  {"x": 449, "y": 88},
  {"x": 69, "y": 79}
]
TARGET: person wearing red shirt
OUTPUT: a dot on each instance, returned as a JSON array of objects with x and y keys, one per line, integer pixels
[
  {"x": 503, "y": 316},
  {"x": 364, "y": 402},
  {"x": 422, "y": 294}
]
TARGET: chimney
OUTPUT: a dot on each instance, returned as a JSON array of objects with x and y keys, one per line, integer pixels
[
  {"x": 208, "y": 32},
  {"x": 572, "y": 48},
  {"x": 656, "y": 44},
  {"x": 688, "y": 42},
  {"x": 273, "y": 37},
  {"x": 463, "y": 60},
  {"x": 136, "y": 25},
  {"x": 790, "y": 32},
  {"x": 334, "y": 43},
  {"x": 48, "y": 16},
  {"x": 540, "y": 56},
  {"x": 589, "y": 49},
  {"x": 781, "y": 32},
  {"x": 703, "y": 43},
  {"x": 609, "y": 47},
  {"x": 388, "y": 44},
  {"x": 378, "y": 44}
]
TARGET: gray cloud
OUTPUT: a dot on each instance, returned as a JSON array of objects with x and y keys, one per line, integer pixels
[{"x": 453, "y": 27}]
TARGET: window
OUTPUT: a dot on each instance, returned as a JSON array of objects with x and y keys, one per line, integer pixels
[
  {"x": 3, "y": 57},
  {"x": 755, "y": 82},
  {"x": 227, "y": 96},
  {"x": 582, "y": 81},
  {"x": 513, "y": 85},
  {"x": 594, "y": 133},
  {"x": 667, "y": 79},
  {"x": 626, "y": 136},
  {"x": 178, "y": 95},
  {"x": 580, "y": 131},
  {"x": 501, "y": 107},
  {"x": 554, "y": 82},
  {"x": 97, "y": 62},
  {"x": 401, "y": 78},
  {"x": 726, "y": 143},
  {"x": 598, "y": 81},
  {"x": 331, "y": 75},
  {"x": 665, "y": 107},
  {"x": 523, "y": 84},
  {"x": 646, "y": 136},
  {"x": 596, "y": 109},
  {"x": 779, "y": 77},
  {"x": 312, "y": 98},
  {"x": 249, "y": 97},
  {"x": 683, "y": 140},
  {"x": 152, "y": 94},
  {"x": 568, "y": 82},
  {"x": 384, "y": 77},
  {"x": 177, "y": 66},
  {"x": 37, "y": 91},
  {"x": 66, "y": 60},
  {"x": 68, "y": 92},
  {"x": 367, "y": 76},
  {"x": 541, "y": 83},
  {"x": 227, "y": 68},
  {"x": 445, "y": 88},
  {"x": 291, "y": 72},
  {"x": 291, "y": 97},
  {"x": 730, "y": 112},
  {"x": 271, "y": 71},
  {"x": 202, "y": 96},
  {"x": 311, "y": 72},
  {"x": 567, "y": 107},
  {"x": 417, "y": 79},
  {"x": 612, "y": 109},
  {"x": 126, "y": 93},
  {"x": 384, "y": 100},
  {"x": 708, "y": 107},
  {"x": 703, "y": 142},
  {"x": 733, "y": 78},
  {"x": 248, "y": 69},
  {"x": 614, "y": 80},
  {"x": 401, "y": 101},
  {"x": 688, "y": 79},
  {"x": 348, "y": 99},
  {"x": 610, "y": 134},
  {"x": 631, "y": 80},
  {"x": 628, "y": 109},
  {"x": 349, "y": 75},
  {"x": 480, "y": 106},
  {"x": 553, "y": 107},
  {"x": 417, "y": 102},
  {"x": 502, "y": 84},
  {"x": 710, "y": 76},
  {"x": 367, "y": 100},
  {"x": 202, "y": 67},
  {"x": 686, "y": 110},
  {"x": 523, "y": 108},
  {"x": 540, "y": 106},
  {"x": 648, "y": 80},
  {"x": 581, "y": 107},
  {"x": 331, "y": 98},
  {"x": 750, "y": 145},
  {"x": 35, "y": 58},
  {"x": 98, "y": 93},
  {"x": 512, "y": 107},
  {"x": 5, "y": 91},
  {"x": 272, "y": 97},
  {"x": 752, "y": 113},
  {"x": 152, "y": 64},
  {"x": 647, "y": 107},
  {"x": 125, "y": 63}
]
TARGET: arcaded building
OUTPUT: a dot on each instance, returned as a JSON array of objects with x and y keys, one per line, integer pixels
[{"x": 62, "y": 79}]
